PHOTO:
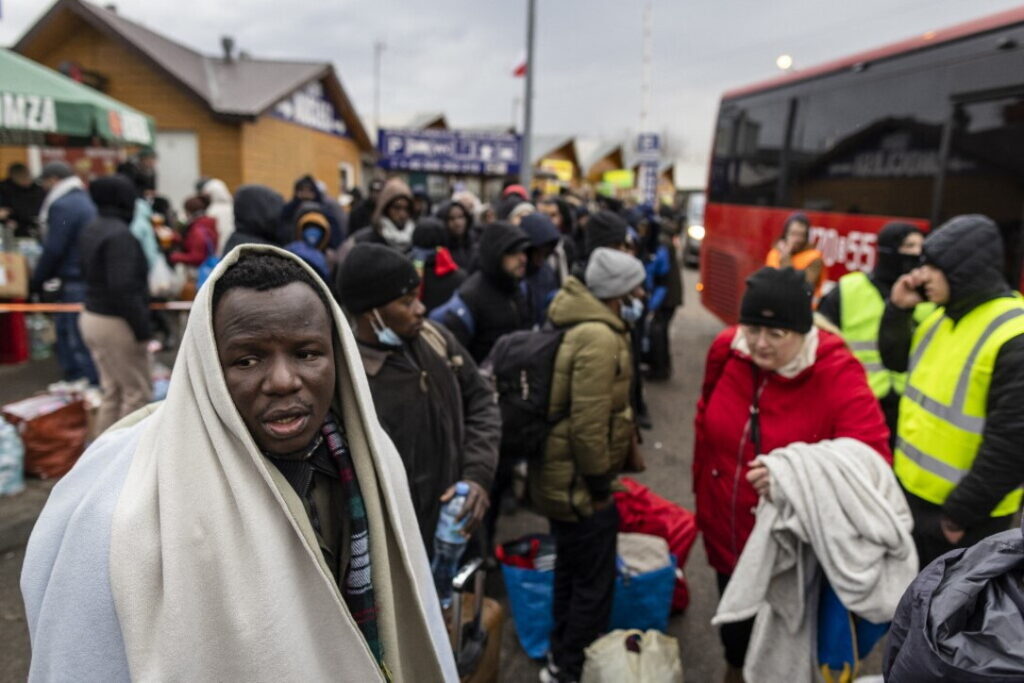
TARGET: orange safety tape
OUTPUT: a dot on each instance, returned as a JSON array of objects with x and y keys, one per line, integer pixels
[{"x": 76, "y": 308}]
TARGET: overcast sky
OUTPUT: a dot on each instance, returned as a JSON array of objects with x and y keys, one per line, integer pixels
[{"x": 456, "y": 56}]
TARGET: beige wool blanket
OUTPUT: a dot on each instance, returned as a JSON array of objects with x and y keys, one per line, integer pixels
[{"x": 214, "y": 570}]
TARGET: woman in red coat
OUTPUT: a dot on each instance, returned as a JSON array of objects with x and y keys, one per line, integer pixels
[
  {"x": 771, "y": 381},
  {"x": 200, "y": 238}
]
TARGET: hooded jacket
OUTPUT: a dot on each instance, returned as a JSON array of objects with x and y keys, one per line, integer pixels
[
  {"x": 113, "y": 264},
  {"x": 969, "y": 251},
  {"x": 825, "y": 395},
  {"x": 313, "y": 254},
  {"x": 461, "y": 248},
  {"x": 290, "y": 211},
  {"x": 374, "y": 233},
  {"x": 587, "y": 447},
  {"x": 257, "y": 213},
  {"x": 541, "y": 281},
  {"x": 960, "y": 620},
  {"x": 221, "y": 210},
  {"x": 494, "y": 298},
  {"x": 439, "y": 412}
]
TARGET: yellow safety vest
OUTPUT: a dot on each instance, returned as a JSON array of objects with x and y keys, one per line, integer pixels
[
  {"x": 860, "y": 313},
  {"x": 942, "y": 412}
]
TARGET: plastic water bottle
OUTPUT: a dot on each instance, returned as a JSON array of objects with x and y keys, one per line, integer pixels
[
  {"x": 12, "y": 460},
  {"x": 449, "y": 544},
  {"x": 39, "y": 334}
]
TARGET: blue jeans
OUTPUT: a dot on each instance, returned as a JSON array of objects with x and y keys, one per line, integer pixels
[{"x": 72, "y": 354}]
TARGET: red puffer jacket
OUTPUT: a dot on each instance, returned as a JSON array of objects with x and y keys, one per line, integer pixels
[
  {"x": 827, "y": 400},
  {"x": 200, "y": 242}
]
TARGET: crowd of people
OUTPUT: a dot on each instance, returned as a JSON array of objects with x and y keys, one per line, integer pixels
[{"x": 273, "y": 517}]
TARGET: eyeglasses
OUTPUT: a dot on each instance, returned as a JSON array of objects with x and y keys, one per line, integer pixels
[{"x": 772, "y": 334}]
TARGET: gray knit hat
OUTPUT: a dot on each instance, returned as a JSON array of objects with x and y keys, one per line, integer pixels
[
  {"x": 56, "y": 169},
  {"x": 612, "y": 273}
]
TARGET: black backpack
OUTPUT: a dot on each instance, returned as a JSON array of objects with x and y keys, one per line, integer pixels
[{"x": 523, "y": 365}]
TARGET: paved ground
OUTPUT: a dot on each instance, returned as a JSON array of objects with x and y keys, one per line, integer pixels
[{"x": 667, "y": 450}]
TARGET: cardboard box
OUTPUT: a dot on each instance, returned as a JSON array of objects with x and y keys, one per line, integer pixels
[{"x": 13, "y": 276}]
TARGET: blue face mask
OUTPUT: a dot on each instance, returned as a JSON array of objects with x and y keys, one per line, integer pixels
[
  {"x": 312, "y": 235},
  {"x": 385, "y": 335},
  {"x": 633, "y": 311}
]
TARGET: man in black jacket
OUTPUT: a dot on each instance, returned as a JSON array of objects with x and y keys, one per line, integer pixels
[
  {"x": 961, "y": 426},
  {"x": 493, "y": 296},
  {"x": 899, "y": 252},
  {"x": 257, "y": 217},
  {"x": 430, "y": 397}
]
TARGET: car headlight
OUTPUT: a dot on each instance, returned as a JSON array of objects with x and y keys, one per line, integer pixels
[{"x": 696, "y": 232}]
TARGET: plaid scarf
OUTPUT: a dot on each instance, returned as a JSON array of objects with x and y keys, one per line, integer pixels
[{"x": 357, "y": 586}]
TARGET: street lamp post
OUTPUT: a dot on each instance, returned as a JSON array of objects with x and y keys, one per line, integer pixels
[{"x": 526, "y": 167}]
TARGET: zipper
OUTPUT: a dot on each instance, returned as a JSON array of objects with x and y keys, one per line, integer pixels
[{"x": 739, "y": 458}]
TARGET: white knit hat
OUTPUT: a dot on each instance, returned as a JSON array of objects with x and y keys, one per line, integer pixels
[{"x": 612, "y": 273}]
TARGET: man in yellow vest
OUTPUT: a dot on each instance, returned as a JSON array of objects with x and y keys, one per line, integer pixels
[
  {"x": 961, "y": 426},
  {"x": 856, "y": 304}
]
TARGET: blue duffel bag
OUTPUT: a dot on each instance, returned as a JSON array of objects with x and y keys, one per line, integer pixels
[{"x": 643, "y": 602}]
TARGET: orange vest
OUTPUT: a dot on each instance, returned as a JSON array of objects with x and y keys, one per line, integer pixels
[{"x": 800, "y": 261}]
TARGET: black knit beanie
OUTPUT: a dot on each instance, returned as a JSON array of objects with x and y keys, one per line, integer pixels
[
  {"x": 605, "y": 229},
  {"x": 373, "y": 275},
  {"x": 778, "y": 298}
]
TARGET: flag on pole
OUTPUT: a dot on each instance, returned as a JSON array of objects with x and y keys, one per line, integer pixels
[{"x": 519, "y": 68}]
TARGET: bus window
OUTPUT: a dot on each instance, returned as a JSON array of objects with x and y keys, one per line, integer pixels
[
  {"x": 985, "y": 169},
  {"x": 868, "y": 145},
  {"x": 748, "y": 151}
]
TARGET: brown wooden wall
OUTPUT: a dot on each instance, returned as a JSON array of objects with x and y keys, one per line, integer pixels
[
  {"x": 133, "y": 81},
  {"x": 277, "y": 153}
]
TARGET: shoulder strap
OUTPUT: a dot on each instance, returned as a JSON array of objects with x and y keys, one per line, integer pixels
[{"x": 434, "y": 339}]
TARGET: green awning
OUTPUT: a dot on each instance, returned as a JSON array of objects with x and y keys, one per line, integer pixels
[{"x": 36, "y": 101}]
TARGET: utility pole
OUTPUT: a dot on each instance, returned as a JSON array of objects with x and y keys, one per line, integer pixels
[
  {"x": 648, "y": 58},
  {"x": 378, "y": 50},
  {"x": 526, "y": 168}
]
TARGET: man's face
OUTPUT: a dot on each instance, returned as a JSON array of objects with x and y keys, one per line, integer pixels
[
  {"x": 305, "y": 193},
  {"x": 457, "y": 220},
  {"x": 46, "y": 183},
  {"x": 514, "y": 264},
  {"x": 404, "y": 316},
  {"x": 398, "y": 212},
  {"x": 935, "y": 284},
  {"x": 552, "y": 212},
  {"x": 148, "y": 163},
  {"x": 277, "y": 354}
]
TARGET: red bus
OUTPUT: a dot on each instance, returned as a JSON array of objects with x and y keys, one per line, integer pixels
[{"x": 921, "y": 130}]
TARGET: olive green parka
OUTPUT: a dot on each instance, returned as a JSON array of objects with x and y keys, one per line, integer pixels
[{"x": 587, "y": 448}]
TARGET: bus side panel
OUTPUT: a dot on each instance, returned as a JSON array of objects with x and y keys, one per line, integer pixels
[{"x": 738, "y": 239}]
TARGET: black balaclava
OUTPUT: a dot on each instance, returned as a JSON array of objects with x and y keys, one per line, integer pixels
[{"x": 891, "y": 263}]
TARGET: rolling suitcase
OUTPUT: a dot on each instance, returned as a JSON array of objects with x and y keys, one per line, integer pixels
[{"x": 476, "y": 634}]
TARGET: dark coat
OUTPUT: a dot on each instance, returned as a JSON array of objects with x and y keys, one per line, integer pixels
[
  {"x": 295, "y": 206},
  {"x": 960, "y": 620},
  {"x": 440, "y": 413},
  {"x": 257, "y": 217},
  {"x": 67, "y": 217},
  {"x": 968, "y": 249},
  {"x": 494, "y": 299},
  {"x": 113, "y": 263},
  {"x": 461, "y": 248},
  {"x": 24, "y": 203}
]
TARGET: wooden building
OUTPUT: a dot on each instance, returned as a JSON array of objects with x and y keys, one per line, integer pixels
[{"x": 233, "y": 117}]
